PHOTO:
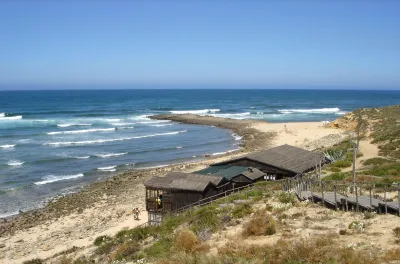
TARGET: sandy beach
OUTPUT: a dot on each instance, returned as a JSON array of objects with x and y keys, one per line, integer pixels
[{"x": 105, "y": 207}]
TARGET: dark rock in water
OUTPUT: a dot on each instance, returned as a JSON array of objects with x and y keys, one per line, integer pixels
[{"x": 207, "y": 155}]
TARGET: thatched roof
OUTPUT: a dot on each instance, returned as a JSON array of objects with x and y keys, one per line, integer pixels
[
  {"x": 284, "y": 157},
  {"x": 183, "y": 181}
]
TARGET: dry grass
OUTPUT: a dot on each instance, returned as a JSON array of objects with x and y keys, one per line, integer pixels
[
  {"x": 319, "y": 249},
  {"x": 392, "y": 255},
  {"x": 186, "y": 241},
  {"x": 262, "y": 224},
  {"x": 396, "y": 233},
  {"x": 125, "y": 251}
]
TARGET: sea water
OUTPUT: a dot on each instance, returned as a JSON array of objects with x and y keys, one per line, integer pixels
[{"x": 54, "y": 142}]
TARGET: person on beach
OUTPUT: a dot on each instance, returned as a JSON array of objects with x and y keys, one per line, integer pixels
[{"x": 136, "y": 213}]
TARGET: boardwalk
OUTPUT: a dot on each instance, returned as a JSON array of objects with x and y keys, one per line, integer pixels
[{"x": 339, "y": 199}]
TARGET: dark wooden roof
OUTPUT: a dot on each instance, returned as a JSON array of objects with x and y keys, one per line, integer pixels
[
  {"x": 253, "y": 173},
  {"x": 228, "y": 172},
  {"x": 284, "y": 157},
  {"x": 183, "y": 181}
]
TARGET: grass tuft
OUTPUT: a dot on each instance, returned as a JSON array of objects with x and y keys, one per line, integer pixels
[{"x": 262, "y": 224}]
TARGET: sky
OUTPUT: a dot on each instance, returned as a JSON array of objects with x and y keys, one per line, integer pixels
[{"x": 166, "y": 43}]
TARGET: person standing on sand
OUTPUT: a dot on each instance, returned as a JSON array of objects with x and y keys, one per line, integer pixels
[{"x": 136, "y": 213}]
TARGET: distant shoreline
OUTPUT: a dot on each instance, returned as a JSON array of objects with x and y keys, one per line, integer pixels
[{"x": 252, "y": 139}]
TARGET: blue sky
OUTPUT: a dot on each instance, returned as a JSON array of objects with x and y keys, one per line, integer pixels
[{"x": 244, "y": 43}]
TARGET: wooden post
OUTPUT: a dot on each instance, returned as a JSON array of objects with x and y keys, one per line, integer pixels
[
  {"x": 370, "y": 199},
  {"x": 356, "y": 198},
  {"x": 311, "y": 189},
  {"x": 334, "y": 189},
  {"x": 385, "y": 200},
  {"x": 323, "y": 197},
  {"x": 398, "y": 198}
]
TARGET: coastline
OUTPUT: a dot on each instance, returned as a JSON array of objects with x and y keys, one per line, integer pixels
[{"x": 105, "y": 206}]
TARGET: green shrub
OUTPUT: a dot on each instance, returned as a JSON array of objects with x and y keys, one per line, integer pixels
[
  {"x": 334, "y": 169},
  {"x": 101, "y": 239},
  {"x": 337, "y": 176},
  {"x": 392, "y": 169},
  {"x": 205, "y": 218},
  {"x": 375, "y": 161},
  {"x": 83, "y": 260},
  {"x": 159, "y": 249},
  {"x": 34, "y": 261},
  {"x": 287, "y": 198},
  {"x": 342, "y": 164},
  {"x": 241, "y": 210}
]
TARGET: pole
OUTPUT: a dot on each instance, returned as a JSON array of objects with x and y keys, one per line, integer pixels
[{"x": 354, "y": 165}]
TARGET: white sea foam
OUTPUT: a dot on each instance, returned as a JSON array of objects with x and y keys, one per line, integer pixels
[
  {"x": 4, "y": 215},
  {"x": 234, "y": 116},
  {"x": 179, "y": 147},
  {"x": 72, "y": 124},
  {"x": 108, "y": 169},
  {"x": 341, "y": 113},
  {"x": 221, "y": 153},
  {"x": 82, "y": 131},
  {"x": 53, "y": 178},
  {"x": 122, "y": 124},
  {"x": 88, "y": 142},
  {"x": 154, "y": 121},
  {"x": 162, "y": 125},
  {"x": 7, "y": 146},
  {"x": 82, "y": 157},
  {"x": 125, "y": 127},
  {"x": 141, "y": 117},
  {"x": 8, "y": 118},
  {"x": 310, "y": 111},
  {"x": 236, "y": 137},
  {"x": 197, "y": 112},
  {"x": 2, "y": 114},
  {"x": 111, "y": 155},
  {"x": 15, "y": 163},
  {"x": 112, "y": 119}
]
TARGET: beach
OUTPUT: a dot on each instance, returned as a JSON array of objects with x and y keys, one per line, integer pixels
[{"x": 105, "y": 207}]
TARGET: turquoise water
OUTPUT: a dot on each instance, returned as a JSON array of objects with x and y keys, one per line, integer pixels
[{"x": 54, "y": 142}]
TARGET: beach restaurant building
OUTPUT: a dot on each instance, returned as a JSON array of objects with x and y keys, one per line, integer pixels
[
  {"x": 177, "y": 189},
  {"x": 279, "y": 162}
]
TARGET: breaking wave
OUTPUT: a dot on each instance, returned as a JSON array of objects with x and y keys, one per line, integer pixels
[
  {"x": 69, "y": 125},
  {"x": 87, "y": 142},
  {"x": 310, "y": 111},
  {"x": 122, "y": 124},
  {"x": 110, "y": 155},
  {"x": 109, "y": 169},
  {"x": 161, "y": 125},
  {"x": 81, "y": 131},
  {"x": 7, "y": 146},
  {"x": 236, "y": 137},
  {"x": 202, "y": 111},
  {"x": 222, "y": 153},
  {"x": 53, "y": 178},
  {"x": 3, "y": 117},
  {"x": 15, "y": 163},
  {"x": 82, "y": 157},
  {"x": 234, "y": 116}
]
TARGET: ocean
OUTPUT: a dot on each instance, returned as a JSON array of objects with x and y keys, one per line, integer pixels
[{"x": 55, "y": 142}]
